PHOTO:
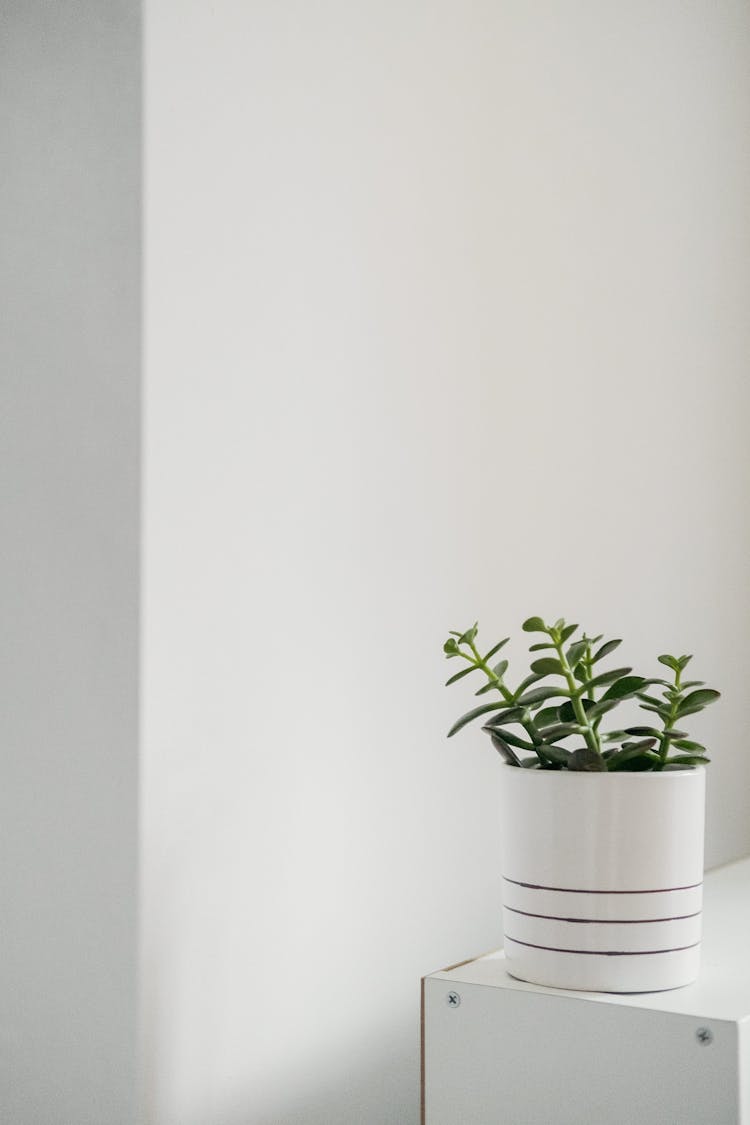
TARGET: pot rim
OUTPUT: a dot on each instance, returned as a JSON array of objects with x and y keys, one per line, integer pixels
[{"x": 689, "y": 771}]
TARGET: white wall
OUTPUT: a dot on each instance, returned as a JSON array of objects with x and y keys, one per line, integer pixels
[
  {"x": 445, "y": 317},
  {"x": 69, "y": 512}
]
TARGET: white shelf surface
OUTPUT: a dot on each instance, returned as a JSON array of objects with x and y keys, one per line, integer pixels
[
  {"x": 722, "y": 991},
  {"x": 530, "y": 1055}
]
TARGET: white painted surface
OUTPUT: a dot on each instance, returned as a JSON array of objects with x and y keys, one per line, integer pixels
[
  {"x": 446, "y": 317},
  {"x": 577, "y": 850},
  {"x": 602, "y": 831},
  {"x": 534, "y": 1060},
  {"x": 722, "y": 992},
  {"x": 535, "y": 1054},
  {"x": 605, "y": 907},
  {"x": 69, "y": 474}
]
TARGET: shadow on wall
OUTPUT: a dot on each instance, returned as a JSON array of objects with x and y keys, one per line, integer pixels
[{"x": 379, "y": 1086}]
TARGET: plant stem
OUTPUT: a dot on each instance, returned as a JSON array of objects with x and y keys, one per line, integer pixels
[
  {"x": 481, "y": 663},
  {"x": 589, "y": 666},
  {"x": 666, "y": 739},
  {"x": 528, "y": 726},
  {"x": 589, "y": 734}
]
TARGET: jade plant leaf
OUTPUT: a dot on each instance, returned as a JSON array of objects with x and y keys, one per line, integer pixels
[
  {"x": 471, "y": 715},
  {"x": 549, "y": 715},
  {"x": 534, "y": 625},
  {"x": 605, "y": 650},
  {"x": 555, "y": 753},
  {"x": 504, "y": 749},
  {"x": 688, "y": 760},
  {"x": 495, "y": 648},
  {"x": 607, "y": 678},
  {"x": 460, "y": 675},
  {"x": 625, "y": 687},
  {"x": 586, "y": 761},
  {"x": 576, "y": 652},
  {"x": 700, "y": 699},
  {"x": 508, "y": 714},
  {"x": 547, "y": 666}
]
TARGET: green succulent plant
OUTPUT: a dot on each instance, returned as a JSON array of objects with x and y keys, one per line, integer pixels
[{"x": 566, "y": 697}]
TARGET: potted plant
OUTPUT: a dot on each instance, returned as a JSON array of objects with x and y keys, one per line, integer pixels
[{"x": 602, "y": 824}]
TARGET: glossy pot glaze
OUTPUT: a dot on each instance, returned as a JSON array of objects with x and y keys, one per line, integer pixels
[{"x": 603, "y": 878}]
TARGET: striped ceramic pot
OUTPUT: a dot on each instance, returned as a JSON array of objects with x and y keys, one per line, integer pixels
[{"x": 603, "y": 878}]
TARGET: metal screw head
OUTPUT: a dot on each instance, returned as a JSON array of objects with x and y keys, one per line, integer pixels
[
  {"x": 704, "y": 1035},
  {"x": 453, "y": 1000}
]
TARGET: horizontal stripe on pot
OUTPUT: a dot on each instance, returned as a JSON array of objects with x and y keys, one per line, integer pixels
[
  {"x": 602, "y": 937},
  {"x": 602, "y": 905},
  {"x": 629, "y": 972},
  {"x": 602, "y": 877}
]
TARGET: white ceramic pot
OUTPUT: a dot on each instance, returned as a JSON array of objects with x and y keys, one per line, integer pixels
[{"x": 603, "y": 878}]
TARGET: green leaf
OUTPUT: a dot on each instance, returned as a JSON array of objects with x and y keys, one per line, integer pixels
[
  {"x": 509, "y": 737},
  {"x": 538, "y": 695},
  {"x": 562, "y": 730},
  {"x": 471, "y": 715},
  {"x": 614, "y": 736},
  {"x": 526, "y": 683},
  {"x": 688, "y": 760},
  {"x": 567, "y": 632},
  {"x": 547, "y": 716},
  {"x": 670, "y": 661},
  {"x": 692, "y": 683},
  {"x": 624, "y": 687},
  {"x": 601, "y": 707},
  {"x": 489, "y": 686},
  {"x": 698, "y": 699},
  {"x": 496, "y": 648},
  {"x": 555, "y": 753},
  {"x": 662, "y": 712},
  {"x": 567, "y": 710},
  {"x": 683, "y": 661},
  {"x": 530, "y": 763},
  {"x": 651, "y": 699},
  {"x": 641, "y": 746},
  {"x": 500, "y": 669},
  {"x": 508, "y": 715},
  {"x": 467, "y": 637},
  {"x": 586, "y": 760},
  {"x": 605, "y": 650},
  {"x": 688, "y": 744},
  {"x": 460, "y": 675},
  {"x": 672, "y": 733},
  {"x": 607, "y": 678},
  {"x": 540, "y": 646},
  {"x": 450, "y": 648},
  {"x": 575, "y": 652},
  {"x": 639, "y": 764},
  {"x": 534, "y": 625},
  {"x": 506, "y": 751},
  {"x": 547, "y": 666},
  {"x": 630, "y": 751},
  {"x": 652, "y": 732}
]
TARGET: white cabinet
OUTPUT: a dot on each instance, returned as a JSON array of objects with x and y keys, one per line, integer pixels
[{"x": 500, "y": 1052}]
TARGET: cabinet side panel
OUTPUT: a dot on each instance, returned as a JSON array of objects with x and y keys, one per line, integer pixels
[
  {"x": 69, "y": 512},
  {"x": 532, "y": 1058}
]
